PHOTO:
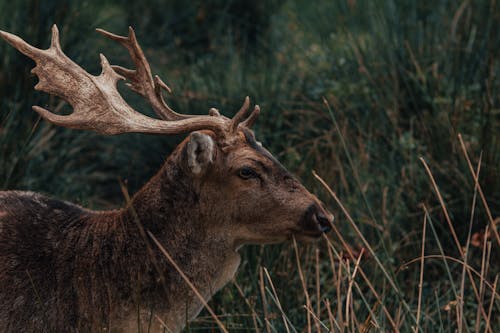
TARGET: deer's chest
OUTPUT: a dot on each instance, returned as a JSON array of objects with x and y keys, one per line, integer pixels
[{"x": 186, "y": 307}]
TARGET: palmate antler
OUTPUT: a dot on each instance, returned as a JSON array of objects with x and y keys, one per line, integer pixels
[{"x": 97, "y": 104}]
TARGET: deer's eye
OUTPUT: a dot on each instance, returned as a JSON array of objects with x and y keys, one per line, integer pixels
[{"x": 247, "y": 173}]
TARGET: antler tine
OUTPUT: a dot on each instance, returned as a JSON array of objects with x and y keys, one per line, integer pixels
[
  {"x": 21, "y": 45},
  {"x": 141, "y": 79},
  {"x": 252, "y": 117},
  {"x": 54, "y": 41},
  {"x": 240, "y": 115}
]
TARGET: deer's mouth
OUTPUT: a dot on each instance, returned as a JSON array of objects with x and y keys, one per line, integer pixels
[{"x": 307, "y": 235}]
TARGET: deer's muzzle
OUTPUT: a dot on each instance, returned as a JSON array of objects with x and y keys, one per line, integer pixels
[{"x": 316, "y": 221}]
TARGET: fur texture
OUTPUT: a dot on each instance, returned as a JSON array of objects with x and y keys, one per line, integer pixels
[{"x": 64, "y": 268}]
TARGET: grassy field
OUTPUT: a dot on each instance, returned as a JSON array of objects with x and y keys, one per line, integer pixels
[{"x": 388, "y": 110}]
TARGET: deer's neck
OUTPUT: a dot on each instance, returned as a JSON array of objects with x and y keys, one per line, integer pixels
[{"x": 169, "y": 208}]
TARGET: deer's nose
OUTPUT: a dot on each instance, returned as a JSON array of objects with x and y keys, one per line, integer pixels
[
  {"x": 324, "y": 220},
  {"x": 316, "y": 220}
]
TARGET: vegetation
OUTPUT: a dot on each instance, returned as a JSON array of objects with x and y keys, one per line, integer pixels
[{"x": 394, "y": 105}]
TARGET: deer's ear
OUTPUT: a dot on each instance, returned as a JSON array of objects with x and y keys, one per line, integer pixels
[{"x": 200, "y": 152}]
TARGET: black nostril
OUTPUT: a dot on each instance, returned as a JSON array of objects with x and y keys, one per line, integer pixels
[{"x": 324, "y": 222}]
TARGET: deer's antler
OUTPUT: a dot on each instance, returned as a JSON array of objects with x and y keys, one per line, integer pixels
[
  {"x": 98, "y": 105},
  {"x": 141, "y": 80}
]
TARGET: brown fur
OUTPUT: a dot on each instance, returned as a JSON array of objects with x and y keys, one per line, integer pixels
[{"x": 64, "y": 268}]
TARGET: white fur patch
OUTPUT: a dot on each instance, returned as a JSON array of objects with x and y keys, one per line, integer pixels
[{"x": 200, "y": 151}]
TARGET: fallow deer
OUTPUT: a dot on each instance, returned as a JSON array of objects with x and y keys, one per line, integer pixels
[{"x": 64, "y": 268}]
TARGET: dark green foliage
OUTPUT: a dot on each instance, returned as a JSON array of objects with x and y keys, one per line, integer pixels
[{"x": 402, "y": 78}]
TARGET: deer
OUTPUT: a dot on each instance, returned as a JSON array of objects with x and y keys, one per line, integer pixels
[{"x": 65, "y": 268}]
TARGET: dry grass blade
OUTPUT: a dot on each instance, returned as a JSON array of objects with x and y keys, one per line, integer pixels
[
  {"x": 467, "y": 247},
  {"x": 445, "y": 211},
  {"x": 455, "y": 238},
  {"x": 331, "y": 318},
  {"x": 365, "y": 278},
  {"x": 458, "y": 261},
  {"x": 485, "y": 261},
  {"x": 318, "y": 287},
  {"x": 421, "y": 280},
  {"x": 492, "y": 301},
  {"x": 142, "y": 232},
  {"x": 277, "y": 301},
  {"x": 352, "y": 276},
  {"x": 188, "y": 282},
  {"x": 304, "y": 286},
  {"x": 372, "y": 253},
  {"x": 264, "y": 299},
  {"x": 163, "y": 324},
  {"x": 316, "y": 319},
  {"x": 481, "y": 194},
  {"x": 337, "y": 280},
  {"x": 250, "y": 306}
]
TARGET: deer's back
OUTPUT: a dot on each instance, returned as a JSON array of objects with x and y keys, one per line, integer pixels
[{"x": 32, "y": 233}]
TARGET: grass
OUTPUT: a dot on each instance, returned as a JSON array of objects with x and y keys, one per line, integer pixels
[{"x": 393, "y": 104}]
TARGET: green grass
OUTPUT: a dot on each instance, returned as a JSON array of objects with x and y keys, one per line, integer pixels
[{"x": 401, "y": 80}]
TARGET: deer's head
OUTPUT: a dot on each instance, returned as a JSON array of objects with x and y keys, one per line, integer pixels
[{"x": 253, "y": 198}]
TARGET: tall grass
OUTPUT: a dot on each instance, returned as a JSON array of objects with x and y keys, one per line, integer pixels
[{"x": 371, "y": 95}]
